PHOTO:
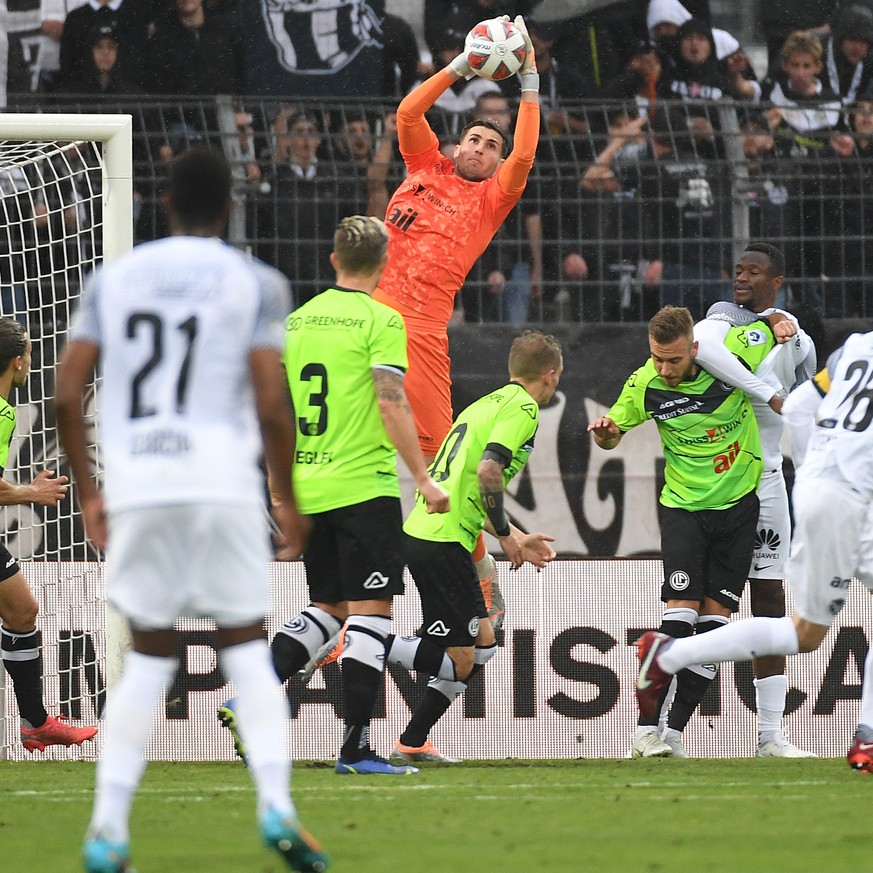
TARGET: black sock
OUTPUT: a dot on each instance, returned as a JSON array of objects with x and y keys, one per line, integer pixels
[
  {"x": 428, "y": 712},
  {"x": 360, "y": 689},
  {"x": 289, "y": 656},
  {"x": 21, "y": 658},
  {"x": 691, "y": 688}
]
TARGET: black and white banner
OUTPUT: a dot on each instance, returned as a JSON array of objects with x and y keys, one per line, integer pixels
[{"x": 560, "y": 686}]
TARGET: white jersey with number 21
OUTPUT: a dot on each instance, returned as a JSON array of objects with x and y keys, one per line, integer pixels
[{"x": 175, "y": 321}]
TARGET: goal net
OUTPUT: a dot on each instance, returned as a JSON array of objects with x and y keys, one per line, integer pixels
[{"x": 66, "y": 201}]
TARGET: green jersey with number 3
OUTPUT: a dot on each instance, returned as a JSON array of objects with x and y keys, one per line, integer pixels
[
  {"x": 504, "y": 421},
  {"x": 711, "y": 444},
  {"x": 343, "y": 453}
]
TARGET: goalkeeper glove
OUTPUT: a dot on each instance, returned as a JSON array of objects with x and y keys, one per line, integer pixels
[
  {"x": 530, "y": 78},
  {"x": 461, "y": 66}
]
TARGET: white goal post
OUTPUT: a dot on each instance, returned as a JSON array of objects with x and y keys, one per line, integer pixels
[{"x": 66, "y": 206}]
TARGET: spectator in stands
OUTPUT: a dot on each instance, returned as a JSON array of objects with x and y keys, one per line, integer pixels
[
  {"x": 402, "y": 61},
  {"x": 847, "y": 68},
  {"x": 781, "y": 17},
  {"x": 355, "y": 160},
  {"x": 611, "y": 218},
  {"x": 771, "y": 190},
  {"x": 131, "y": 20},
  {"x": 684, "y": 211},
  {"x": 804, "y": 109},
  {"x": 294, "y": 222},
  {"x": 804, "y": 117},
  {"x": 199, "y": 52},
  {"x": 640, "y": 79},
  {"x": 849, "y": 252},
  {"x": 106, "y": 75},
  {"x": 561, "y": 85},
  {"x": 386, "y": 169},
  {"x": 663, "y": 20},
  {"x": 697, "y": 74},
  {"x": 52, "y": 15}
]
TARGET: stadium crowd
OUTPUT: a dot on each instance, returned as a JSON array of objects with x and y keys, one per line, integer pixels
[{"x": 660, "y": 144}]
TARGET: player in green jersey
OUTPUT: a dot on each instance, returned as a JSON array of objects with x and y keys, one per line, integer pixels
[
  {"x": 489, "y": 442},
  {"x": 708, "y": 505},
  {"x": 345, "y": 358},
  {"x": 19, "y": 638}
]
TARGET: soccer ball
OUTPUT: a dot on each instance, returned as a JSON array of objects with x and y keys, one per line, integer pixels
[{"x": 495, "y": 49}]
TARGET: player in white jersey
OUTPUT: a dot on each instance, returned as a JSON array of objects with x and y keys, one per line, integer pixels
[
  {"x": 832, "y": 494},
  {"x": 189, "y": 335},
  {"x": 757, "y": 280}
]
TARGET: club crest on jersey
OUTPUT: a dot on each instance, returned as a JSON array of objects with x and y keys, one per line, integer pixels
[
  {"x": 679, "y": 580},
  {"x": 375, "y": 580},
  {"x": 473, "y": 626}
]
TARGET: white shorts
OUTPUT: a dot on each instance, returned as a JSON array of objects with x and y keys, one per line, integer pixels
[
  {"x": 773, "y": 536},
  {"x": 188, "y": 560},
  {"x": 826, "y": 552}
]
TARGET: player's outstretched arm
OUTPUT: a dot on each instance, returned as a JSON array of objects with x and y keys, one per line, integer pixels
[
  {"x": 400, "y": 427},
  {"x": 414, "y": 134},
  {"x": 77, "y": 363},
  {"x": 513, "y": 172},
  {"x": 605, "y": 432},
  {"x": 537, "y": 549}
]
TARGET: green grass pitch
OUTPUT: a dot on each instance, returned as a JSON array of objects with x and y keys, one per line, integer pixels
[{"x": 608, "y": 816}]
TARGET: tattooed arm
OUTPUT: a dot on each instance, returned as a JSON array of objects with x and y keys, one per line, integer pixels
[{"x": 400, "y": 427}]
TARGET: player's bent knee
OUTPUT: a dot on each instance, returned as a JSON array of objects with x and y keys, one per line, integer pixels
[{"x": 463, "y": 661}]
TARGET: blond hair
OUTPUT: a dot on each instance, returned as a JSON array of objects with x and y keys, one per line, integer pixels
[
  {"x": 532, "y": 354},
  {"x": 360, "y": 242},
  {"x": 801, "y": 42}
]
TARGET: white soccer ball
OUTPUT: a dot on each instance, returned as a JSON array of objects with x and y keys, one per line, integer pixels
[{"x": 495, "y": 49}]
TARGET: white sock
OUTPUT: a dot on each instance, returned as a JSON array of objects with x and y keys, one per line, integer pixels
[
  {"x": 737, "y": 641},
  {"x": 126, "y": 731},
  {"x": 770, "y": 701},
  {"x": 866, "y": 716},
  {"x": 403, "y": 651},
  {"x": 263, "y": 718}
]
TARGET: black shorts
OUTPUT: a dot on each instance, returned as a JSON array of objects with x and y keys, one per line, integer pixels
[
  {"x": 452, "y": 604},
  {"x": 707, "y": 552},
  {"x": 354, "y": 552},
  {"x": 8, "y": 565}
]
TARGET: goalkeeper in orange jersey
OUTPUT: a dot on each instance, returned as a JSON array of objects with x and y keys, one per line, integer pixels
[{"x": 439, "y": 221}]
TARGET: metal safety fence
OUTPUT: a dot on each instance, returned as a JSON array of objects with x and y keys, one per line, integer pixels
[{"x": 621, "y": 214}]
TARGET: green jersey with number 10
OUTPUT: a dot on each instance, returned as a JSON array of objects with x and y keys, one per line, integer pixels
[
  {"x": 343, "y": 453},
  {"x": 504, "y": 421}
]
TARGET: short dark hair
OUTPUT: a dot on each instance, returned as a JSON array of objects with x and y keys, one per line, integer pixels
[
  {"x": 13, "y": 341},
  {"x": 199, "y": 187},
  {"x": 491, "y": 125},
  {"x": 774, "y": 255}
]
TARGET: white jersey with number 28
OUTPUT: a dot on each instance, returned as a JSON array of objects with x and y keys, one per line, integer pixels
[
  {"x": 175, "y": 321},
  {"x": 841, "y": 445}
]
